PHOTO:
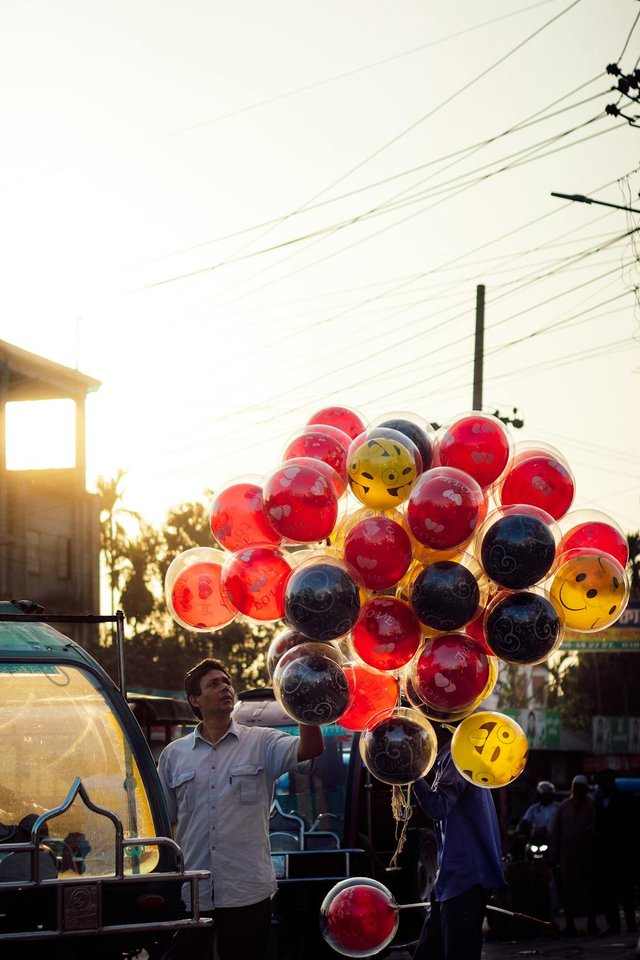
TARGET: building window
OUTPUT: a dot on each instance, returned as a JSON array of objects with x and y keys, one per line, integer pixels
[
  {"x": 64, "y": 558},
  {"x": 33, "y": 552}
]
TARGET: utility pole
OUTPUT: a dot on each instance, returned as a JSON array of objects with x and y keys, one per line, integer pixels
[
  {"x": 478, "y": 362},
  {"x": 478, "y": 355}
]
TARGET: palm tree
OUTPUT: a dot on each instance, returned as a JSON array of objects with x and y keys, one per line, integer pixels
[{"x": 114, "y": 539}]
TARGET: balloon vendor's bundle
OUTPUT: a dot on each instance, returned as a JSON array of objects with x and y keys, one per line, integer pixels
[{"x": 406, "y": 564}]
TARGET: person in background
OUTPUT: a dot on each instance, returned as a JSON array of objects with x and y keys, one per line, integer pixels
[
  {"x": 218, "y": 782},
  {"x": 617, "y": 833},
  {"x": 538, "y": 820},
  {"x": 573, "y": 853},
  {"x": 469, "y": 860}
]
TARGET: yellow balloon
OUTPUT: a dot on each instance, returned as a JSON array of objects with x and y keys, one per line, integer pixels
[
  {"x": 591, "y": 590},
  {"x": 489, "y": 749},
  {"x": 382, "y": 472}
]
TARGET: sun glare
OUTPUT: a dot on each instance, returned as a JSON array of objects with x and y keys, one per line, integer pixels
[{"x": 40, "y": 434}]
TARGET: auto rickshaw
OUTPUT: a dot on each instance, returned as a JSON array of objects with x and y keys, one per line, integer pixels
[{"x": 87, "y": 863}]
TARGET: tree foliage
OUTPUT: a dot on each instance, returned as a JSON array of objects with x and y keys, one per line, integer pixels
[{"x": 159, "y": 651}]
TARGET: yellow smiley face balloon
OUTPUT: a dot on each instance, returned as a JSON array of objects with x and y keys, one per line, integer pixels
[
  {"x": 489, "y": 749},
  {"x": 591, "y": 590},
  {"x": 382, "y": 472}
]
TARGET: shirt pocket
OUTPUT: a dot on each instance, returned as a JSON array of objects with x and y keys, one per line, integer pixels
[
  {"x": 245, "y": 781},
  {"x": 183, "y": 785}
]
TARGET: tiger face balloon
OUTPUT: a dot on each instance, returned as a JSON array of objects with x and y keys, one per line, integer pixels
[{"x": 382, "y": 471}]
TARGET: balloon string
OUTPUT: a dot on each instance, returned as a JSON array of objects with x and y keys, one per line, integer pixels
[{"x": 402, "y": 812}]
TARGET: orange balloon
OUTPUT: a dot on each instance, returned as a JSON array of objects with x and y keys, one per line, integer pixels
[{"x": 371, "y": 692}]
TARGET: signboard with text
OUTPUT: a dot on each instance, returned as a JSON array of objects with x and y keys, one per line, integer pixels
[
  {"x": 542, "y": 727},
  {"x": 615, "y": 734},
  {"x": 622, "y": 637}
]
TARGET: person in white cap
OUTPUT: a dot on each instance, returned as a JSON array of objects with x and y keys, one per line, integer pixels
[{"x": 573, "y": 852}]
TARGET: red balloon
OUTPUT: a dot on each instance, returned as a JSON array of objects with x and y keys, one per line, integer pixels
[
  {"x": 450, "y": 671},
  {"x": 238, "y": 519},
  {"x": 338, "y": 482},
  {"x": 324, "y": 443},
  {"x": 341, "y": 417},
  {"x": 360, "y": 918},
  {"x": 541, "y": 480},
  {"x": 300, "y": 503},
  {"x": 478, "y": 444},
  {"x": 596, "y": 535},
  {"x": 371, "y": 692},
  {"x": 255, "y": 579},
  {"x": 380, "y": 550},
  {"x": 198, "y": 598},
  {"x": 445, "y": 508},
  {"x": 475, "y": 630},
  {"x": 387, "y": 634}
]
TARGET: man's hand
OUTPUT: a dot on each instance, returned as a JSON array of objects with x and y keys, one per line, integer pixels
[{"x": 311, "y": 742}]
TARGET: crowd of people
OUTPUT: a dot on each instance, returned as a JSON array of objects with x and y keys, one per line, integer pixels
[{"x": 592, "y": 845}]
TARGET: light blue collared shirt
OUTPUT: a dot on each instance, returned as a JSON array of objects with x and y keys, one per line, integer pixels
[{"x": 219, "y": 796}]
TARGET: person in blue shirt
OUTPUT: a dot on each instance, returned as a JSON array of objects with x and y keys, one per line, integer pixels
[{"x": 469, "y": 860}]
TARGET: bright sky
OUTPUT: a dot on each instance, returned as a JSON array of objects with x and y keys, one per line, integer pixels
[{"x": 234, "y": 213}]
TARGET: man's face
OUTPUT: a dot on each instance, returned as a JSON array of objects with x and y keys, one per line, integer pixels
[{"x": 216, "y": 695}]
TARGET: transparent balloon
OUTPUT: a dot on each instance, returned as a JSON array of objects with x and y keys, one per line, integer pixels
[
  {"x": 524, "y": 627},
  {"x": 359, "y": 917},
  {"x": 448, "y": 716},
  {"x": 593, "y": 530},
  {"x": 312, "y": 688},
  {"x": 413, "y": 426},
  {"x": 237, "y": 516},
  {"x": 320, "y": 442},
  {"x": 445, "y": 508},
  {"x": 489, "y": 749},
  {"x": 387, "y": 634},
  {"x": 383, "y": 466},
  {"x": 541, "y": 479},
  {"x": 372, "y": 692},
  {"x": 379, "y": 548},
  {"x": 323, "y": 598},
  {"x": 308, "y": 648},
  {"x": 517, "y": 546},
  {"x": 283, "y": 641},
  {"x": 448, "y": 594},
  {"x": 255, "y": 579},
  {"x": 590, "y": 589},
  {"x": 399, "y": 749},
  {"x": 194, "y": 593},
  {"x": 450, "y": 671},
  {"x": 299, "y": 501},
  {"x": 477, "y": 443},
  {"x": 344, "y": 418}
]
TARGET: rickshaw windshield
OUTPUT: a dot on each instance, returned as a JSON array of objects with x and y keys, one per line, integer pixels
[
  {"x": 56, "y": 724},
  {"x": 318, "y": 797}
]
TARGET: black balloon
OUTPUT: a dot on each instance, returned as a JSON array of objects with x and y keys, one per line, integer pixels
[
  {"x": 314, "y": 689},
  {"x": 322, "y": 600},
  {"x": 398, "y": 750},
  {"x": 419, "y": 436},
  {"x": 283, "y": 642},
  {"x": 518, "y": 550},
  {"x": 523, "y": 628},
  {"x": 445, "y": 595}
]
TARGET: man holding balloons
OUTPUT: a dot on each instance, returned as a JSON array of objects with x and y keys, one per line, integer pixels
[
  {"x": 218, "y": 783},
  {"x": 469, "y": 859}
]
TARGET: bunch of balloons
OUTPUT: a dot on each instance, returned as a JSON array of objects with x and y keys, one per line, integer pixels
[{"x": 406, "y": 564}]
